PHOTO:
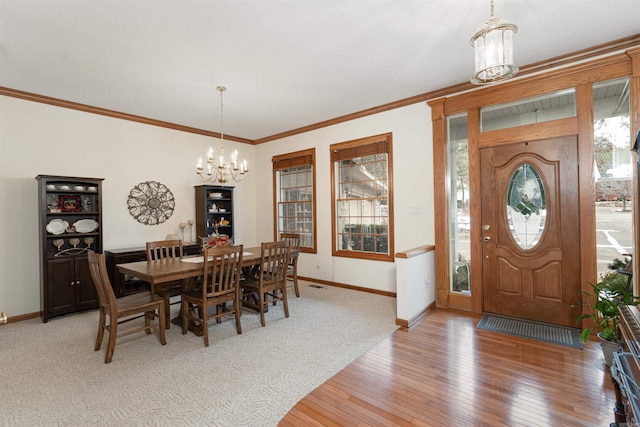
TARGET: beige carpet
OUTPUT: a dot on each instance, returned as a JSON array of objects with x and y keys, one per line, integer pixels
[{"x": 50, "y": 375}]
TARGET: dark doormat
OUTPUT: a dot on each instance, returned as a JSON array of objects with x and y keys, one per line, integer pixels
[{"x": 561, "y": 335}]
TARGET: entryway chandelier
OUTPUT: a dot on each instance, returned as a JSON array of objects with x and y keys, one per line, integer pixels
[
  {"x": 493, "y": 46},
  {"x": 223, "y": 169}
]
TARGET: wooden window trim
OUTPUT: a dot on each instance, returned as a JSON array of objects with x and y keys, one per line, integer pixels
[
  {"x": 287, "y": 161},
  {"x": 376, "y": 144}
]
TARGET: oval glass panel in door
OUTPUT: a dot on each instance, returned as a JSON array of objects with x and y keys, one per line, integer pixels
[{"x": 526, "y": 206}]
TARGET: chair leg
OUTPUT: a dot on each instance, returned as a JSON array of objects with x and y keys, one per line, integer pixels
[
  {"x": 147, "y": 321},
  {"x": 167, "y": 309},
  {"x": 284, "y": 300},
  {"x": 184, "y": 307},
  {"x": 219, "y": 310},
  {"x": 162, "y": 320},
  {"x": 237, "y": 306},
  {"x": 295, "y": 281},
  {"x": 113, "y": 333},
  {"x": 205, "y": 324},
  {"x": 99, "y": 338},
  {"x": 262, "y": 301}
]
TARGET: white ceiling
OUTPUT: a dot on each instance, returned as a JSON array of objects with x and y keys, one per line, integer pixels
[{"x": 286, "y": 63}]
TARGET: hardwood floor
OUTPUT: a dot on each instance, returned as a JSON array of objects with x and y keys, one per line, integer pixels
[{"x": 444, "y": 371}]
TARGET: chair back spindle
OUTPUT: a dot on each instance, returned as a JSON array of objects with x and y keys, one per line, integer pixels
[
  {"x": 270, "y": 284},
  {"x": 221, "y": 271},
  {"x": 220, "y": 285},
  {"x": 275, "y": 259},
  {"x": 98, "y": 270},
  {"x": 164, "y": 249}
]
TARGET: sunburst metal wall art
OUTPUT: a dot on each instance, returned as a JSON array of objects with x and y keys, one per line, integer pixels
[{"x": 151, "y": 203}]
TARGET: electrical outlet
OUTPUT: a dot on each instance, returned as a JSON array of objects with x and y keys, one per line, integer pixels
[{"x": 318, "y": 266}]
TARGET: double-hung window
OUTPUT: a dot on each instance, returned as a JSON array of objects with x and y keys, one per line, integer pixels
[
  {"x": 362, "y": 198},
  {"x": 294, "y": 196}
]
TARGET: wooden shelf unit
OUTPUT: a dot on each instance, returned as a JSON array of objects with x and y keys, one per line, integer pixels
[
  {"x": 65, "y": 203},
  {"x": 208, "y": 220}
]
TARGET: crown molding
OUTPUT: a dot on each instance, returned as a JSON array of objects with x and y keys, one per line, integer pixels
[
  {"x": 601, "y": 50},
  {"x": 112, "y": 113}
]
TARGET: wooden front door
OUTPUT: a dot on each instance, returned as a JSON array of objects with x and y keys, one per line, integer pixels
[{"x": 530, "y": 230}]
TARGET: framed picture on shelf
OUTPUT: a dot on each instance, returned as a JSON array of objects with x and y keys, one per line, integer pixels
[{"x": 70, "y": 203}]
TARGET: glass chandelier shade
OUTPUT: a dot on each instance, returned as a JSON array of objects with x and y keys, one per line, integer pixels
[
  {"x": 222, "y": 169},
  {"x": 493, "y": 46}
]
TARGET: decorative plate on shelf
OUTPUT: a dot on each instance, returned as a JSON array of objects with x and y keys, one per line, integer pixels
[
  {"x": 85, "y": 226},
  {"x": 57, "y": 226}
]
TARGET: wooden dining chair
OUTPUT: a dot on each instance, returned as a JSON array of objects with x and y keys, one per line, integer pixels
[
  {"x": 270, "y": 284},
  {"x": 166, "y": 249},
  {"x": 122, "y": 310},
  {"x": 292, "y": 269},
  {"x": 220, "y": 285}
]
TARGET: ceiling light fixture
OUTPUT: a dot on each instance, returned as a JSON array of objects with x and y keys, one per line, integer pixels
[
  {"x": 493, "y": 46},
  {"x": 223, "y": 169}
]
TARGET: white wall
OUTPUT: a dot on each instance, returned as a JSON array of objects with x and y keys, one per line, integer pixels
[
  {"x": 42, "y": 139},
  {"x": 412, "y": 183},
  {"x": 416, "y": 279}
]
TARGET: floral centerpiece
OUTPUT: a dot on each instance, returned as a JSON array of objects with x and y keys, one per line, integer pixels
[{"x": 219, "y": 241}]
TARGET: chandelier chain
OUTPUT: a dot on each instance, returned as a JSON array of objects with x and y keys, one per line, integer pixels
[{"x": 221, "y": 89}]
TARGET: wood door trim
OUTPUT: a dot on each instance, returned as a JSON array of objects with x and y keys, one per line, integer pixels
[
  {"x": 531, "y": 132},
  {"x": 588, "y": 73},
  {"x": 475, "y": 210}
]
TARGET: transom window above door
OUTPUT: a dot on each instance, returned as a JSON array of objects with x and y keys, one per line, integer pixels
[{"x": 551, "y": 106}]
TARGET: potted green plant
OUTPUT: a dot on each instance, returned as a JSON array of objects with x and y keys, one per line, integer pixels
[{"x": 603, "y": 302}]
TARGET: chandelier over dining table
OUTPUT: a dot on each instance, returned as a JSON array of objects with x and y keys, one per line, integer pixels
[{"x": 222, "y": 169}]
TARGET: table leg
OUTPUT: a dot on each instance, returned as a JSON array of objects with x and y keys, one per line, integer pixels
[{"x": 187, "y": 284}]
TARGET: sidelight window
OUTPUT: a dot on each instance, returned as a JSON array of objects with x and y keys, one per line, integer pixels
[
  {"x": 459, "y": 204},
  {"x": 613, "y": 171}
]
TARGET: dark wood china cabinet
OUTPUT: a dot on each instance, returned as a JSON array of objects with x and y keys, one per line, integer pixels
[
  {"x": 70, "y": 224},
  {"x": 214, "y": 211}
]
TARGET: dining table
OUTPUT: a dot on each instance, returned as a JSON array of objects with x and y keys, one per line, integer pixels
[{"x": 185, "y": 269}]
